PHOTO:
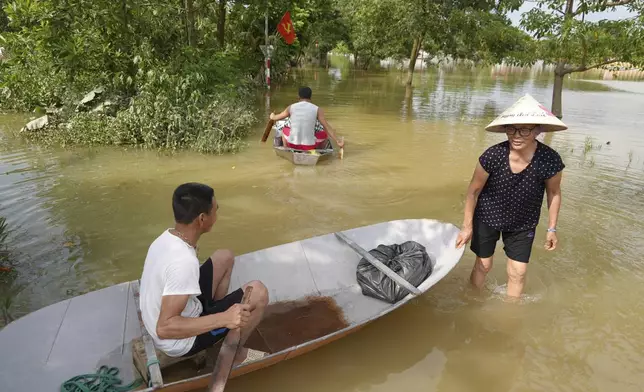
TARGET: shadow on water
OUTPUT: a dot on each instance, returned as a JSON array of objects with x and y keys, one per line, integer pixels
[{"x": 8, "y": 275}]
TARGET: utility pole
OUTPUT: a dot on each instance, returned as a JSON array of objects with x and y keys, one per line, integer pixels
[{"x": 267, "y": 50}]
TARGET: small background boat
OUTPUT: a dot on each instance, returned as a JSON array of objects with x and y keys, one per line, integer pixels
[{"x": 314, "y": 300}]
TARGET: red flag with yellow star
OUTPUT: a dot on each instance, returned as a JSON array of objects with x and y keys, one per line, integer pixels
[{"x": 286, "y": 29}]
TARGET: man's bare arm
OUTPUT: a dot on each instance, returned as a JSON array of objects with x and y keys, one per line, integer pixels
[
  {"x": 327, "y": 126},
  {"x": 285, "y": 113},
  {"x": 171, "y": 325}
]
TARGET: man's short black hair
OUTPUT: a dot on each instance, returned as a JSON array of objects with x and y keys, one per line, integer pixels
[
  {"x": 191, "y": 199},
  {"x": 305, "y": 92}
]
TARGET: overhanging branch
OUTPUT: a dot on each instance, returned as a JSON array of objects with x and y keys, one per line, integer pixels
[
  {"x": 586, "y": 68},
  {"x": 618, "y": 3},
  {"x": 583, "y": 9}
]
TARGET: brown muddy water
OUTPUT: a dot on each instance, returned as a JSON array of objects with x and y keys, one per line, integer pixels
[{"x": 82, "y": 219}]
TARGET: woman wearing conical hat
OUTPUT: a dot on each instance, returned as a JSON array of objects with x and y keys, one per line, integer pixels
[{"x": 506, "y": 192}]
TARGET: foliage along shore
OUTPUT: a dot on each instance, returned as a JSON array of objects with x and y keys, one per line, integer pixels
[
  {"x": 128, "y": 74},
  {"x": 180, "y": 74},
  {"x": 198, "y": 100}
]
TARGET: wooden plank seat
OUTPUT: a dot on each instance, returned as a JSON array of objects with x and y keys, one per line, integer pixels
[
  {"x": 150, "y": 361},
  {"x": 202, "y": 360}
]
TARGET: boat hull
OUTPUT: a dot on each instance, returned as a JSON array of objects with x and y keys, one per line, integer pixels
[
  {"x": 78, "y": 335},
  {"x": 303, "y": 157},
  {"x": 201, "y": 382}
]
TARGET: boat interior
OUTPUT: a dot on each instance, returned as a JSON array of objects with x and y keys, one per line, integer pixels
[
  {"x": 278, "y": 142},
  {"x": 291, "y": 323}
]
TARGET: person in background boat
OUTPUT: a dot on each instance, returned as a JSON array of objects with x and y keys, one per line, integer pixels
[
  {"x": 506, "y": 192},
  {"x": 305, "y": 118},
  {"x": 184, "y": 306}
]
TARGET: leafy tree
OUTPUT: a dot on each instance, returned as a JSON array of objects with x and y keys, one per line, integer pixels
[
  {"x": 314, "y": 21},
  {"x": 573, "y": 43},
  {"x": 373, "y": 30},
  {"x": 463, "y": 29}
]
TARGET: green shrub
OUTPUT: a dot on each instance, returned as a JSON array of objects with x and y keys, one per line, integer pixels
[{"x": 169, "y": 112}]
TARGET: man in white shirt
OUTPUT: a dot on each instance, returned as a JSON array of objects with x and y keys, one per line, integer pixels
[
  {"x": 307, "y": 127},
  {"x": 185, "y": 306}
]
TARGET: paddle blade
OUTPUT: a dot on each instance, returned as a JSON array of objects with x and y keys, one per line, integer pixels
[
  {"x": 227, "y": 353},
  {"x": 267, "y": 130}
]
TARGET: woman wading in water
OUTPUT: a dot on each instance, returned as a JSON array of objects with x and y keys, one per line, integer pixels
[{"x": 505, "y": 194}]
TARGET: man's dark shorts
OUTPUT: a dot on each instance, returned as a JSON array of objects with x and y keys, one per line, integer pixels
[
  {"x": 517, "y": 244},
  {"x": 210, "y": 306}
]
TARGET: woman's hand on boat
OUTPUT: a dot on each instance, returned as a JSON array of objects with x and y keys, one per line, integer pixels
[
  {"x": 464, "y": 236},
  {"x": 237, "y": 316}
]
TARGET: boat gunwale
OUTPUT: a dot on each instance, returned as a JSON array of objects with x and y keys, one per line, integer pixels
[
  {"x": 296, "y": 156},
  {"x": 322, "y": 151},
  {"x": 289, "y": 153}
]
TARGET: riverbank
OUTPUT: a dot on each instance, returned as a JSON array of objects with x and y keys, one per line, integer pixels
[
  {"x": 163, "y": 109},
  {"x": 129, "y": 75}
]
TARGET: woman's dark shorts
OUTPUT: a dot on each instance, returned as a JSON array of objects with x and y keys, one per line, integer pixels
[{"x": 517, "y": 244}]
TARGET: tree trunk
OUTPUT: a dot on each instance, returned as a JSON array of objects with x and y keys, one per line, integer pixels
[
  {"x": 415, "y": 49},
  {"x": 557, "y": 90},
  {"x": 3, "y": 17},
  {"x": 190, "y": 22},
  {"x": 126, "y": 20},
  {"x": 407, "y": 104},
  {"x": 221, "y": 24}
]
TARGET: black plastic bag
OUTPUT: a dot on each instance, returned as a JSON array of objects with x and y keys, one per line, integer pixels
[{"x": 409, "y": 260}]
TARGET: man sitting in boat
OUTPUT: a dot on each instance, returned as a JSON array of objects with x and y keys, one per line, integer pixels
[
  {"x": 184, "y": 306},
  {"x": 305, "y": 127}
]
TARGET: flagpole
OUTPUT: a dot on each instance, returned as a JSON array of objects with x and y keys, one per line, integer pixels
[{"x": 268, "y": 54}]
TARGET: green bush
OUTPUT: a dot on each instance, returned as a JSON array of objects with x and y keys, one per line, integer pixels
[
  {"x": 168, "y": 112},
  {"x": 149, "y": 86}
]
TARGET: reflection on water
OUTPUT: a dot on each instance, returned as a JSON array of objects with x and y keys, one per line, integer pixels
[{"x": 82, "y": 219}]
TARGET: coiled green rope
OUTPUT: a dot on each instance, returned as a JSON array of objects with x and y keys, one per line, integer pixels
[{"x": 105, "y": 380}]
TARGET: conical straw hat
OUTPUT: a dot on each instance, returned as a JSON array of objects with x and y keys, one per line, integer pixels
[{"x": 527, "y": 111}]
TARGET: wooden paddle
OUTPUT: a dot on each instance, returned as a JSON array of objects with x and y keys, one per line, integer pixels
[
  {"x": 227, "y": 353},
  {"x": 267, "y": 130}
]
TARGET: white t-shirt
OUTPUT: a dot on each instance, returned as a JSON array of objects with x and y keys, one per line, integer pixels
[
  {"x": 303, "y": 117},
  {"x": 171, "y": 268}
]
